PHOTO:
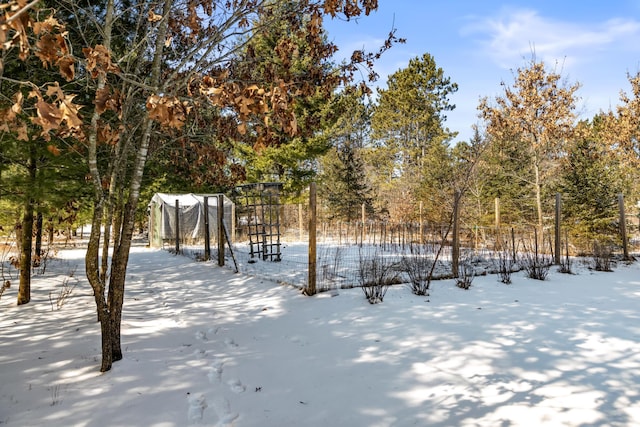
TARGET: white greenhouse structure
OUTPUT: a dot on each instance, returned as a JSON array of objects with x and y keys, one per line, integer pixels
[{"x": 186, "y": 214}]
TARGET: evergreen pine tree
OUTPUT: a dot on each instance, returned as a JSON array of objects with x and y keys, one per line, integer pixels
[
  {"x": 590, "y": 181},
  {"x": 410, "y": 138},
  {"x": 345, "y": 187}
]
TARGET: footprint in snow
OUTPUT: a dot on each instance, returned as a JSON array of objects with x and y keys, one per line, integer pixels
[
  {"x": 197, "y": 405},
  {"x": 227, "y": 420},
  {"x": 215, "y": 374},
  {"x": 236, "y": 386},
  {"x": 200, "y": 353},
  {"x": 230, "y": 343},
  {"x": 223, "y": 410},
  {"x": 201, "y": 335}
]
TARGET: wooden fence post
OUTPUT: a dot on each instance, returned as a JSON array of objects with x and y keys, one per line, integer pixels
[
  {"x": 498, "y": 239},
  {"x": 623, "y": 226},
  {"x": 233, "y": 223},
  {"x": 421, "y": 224},
  {"x": 220, "y": 230},
  {"x": 362, "y": 230},
  {"x": 152, "y": 221},
  {"x": 311, "y": 281},
  {"x": 177, "y": 226},
  {"x": 558, "y": 246},
  {"x": 455, "y": 249},
  {"x": 207, "y": 242}
]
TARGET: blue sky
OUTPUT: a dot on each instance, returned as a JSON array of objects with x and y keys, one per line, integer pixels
[{"x": 479, "y": 44}]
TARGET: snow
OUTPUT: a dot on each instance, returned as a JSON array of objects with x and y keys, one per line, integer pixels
[{"x": 206, "y": 346}]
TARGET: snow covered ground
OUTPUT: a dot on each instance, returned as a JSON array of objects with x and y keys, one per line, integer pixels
[{"x": 205, "y": 346}]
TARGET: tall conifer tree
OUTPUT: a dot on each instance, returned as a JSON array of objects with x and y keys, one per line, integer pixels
[{"x": 410, "y": 135}]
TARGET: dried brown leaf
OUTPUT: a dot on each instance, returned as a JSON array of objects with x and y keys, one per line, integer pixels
[{"x": 154, "y": 17}]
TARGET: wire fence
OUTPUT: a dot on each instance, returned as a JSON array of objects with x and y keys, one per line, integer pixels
[
  {"x": 339, "y": 260},
  {"x": 344, "y": 247}
]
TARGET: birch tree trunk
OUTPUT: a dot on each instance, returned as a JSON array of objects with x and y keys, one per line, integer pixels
[
  {"x": 92, "y": 259},
  {"x": 125, "y": 227}
]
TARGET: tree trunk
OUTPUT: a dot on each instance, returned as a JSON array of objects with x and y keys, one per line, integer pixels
[
  {"x": 113, "y": 212},
  {"x": 106, "y": 241},
  {"x": 50, "y": 230},
  {"x": 92, "y": 260},
  {"x": 93, "y": 275},
  {"x": 24, "y": 288},
  {"x": 116, "y": 298},
  {"x": 117, "y": 219},
  {"x": 18, "y": 230},
  {"x": 116, "y": 281},
  {"x": 38, "y": 249},
  {"x": 538, "y": 185},
  {"x": 120, "y": 257}
]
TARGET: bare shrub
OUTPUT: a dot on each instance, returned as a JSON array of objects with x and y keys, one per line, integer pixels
[
  {"x": 602, "y": 255},
  {"x": 536, "y": 266},
  {"x": 565, "y": 262},
  {"x": 5, "y": 285},
  {"x": 506, "y": 261},
  {"x": 466, "y": 273},
  {"x": 9, "y": 261},
  {"x": 375, "y": 274},
  {"x": 6, "y": 262},
  {"x": 64, "y": 292},
  {"x": 535, "y": 263},
  {"x": 418, "y": 264},
  {"x": 505, "y": 265},
  {"x": 565, "y": 266},
  {"x": 41, "y": 261}
]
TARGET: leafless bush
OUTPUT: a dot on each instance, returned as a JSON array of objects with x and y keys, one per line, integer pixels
[
  {"x": 6, "y": 259},
  {"x": 375, "y": 274},
  {"x": 40, "y": 261},
  {"x": 418, "y": 263},
  {"x": 602, "y": 256},
  {"x": 59, "y": 299},
  {"x": 535, "y": 263},
  {"x": 505, "y": 265},
  {"x": 5, "y": 285},
  {"x": 466, "y": 273},
  {"x": 565, "y": 266},
  {"x": 506, "y": 261},
  {"x": 565, "y": 263}
]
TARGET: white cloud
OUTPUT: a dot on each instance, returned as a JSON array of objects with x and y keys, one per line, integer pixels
[{"x": 516, "y": 34}]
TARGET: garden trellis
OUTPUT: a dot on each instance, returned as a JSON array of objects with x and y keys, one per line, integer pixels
[{"x": 262, "y": 217}]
